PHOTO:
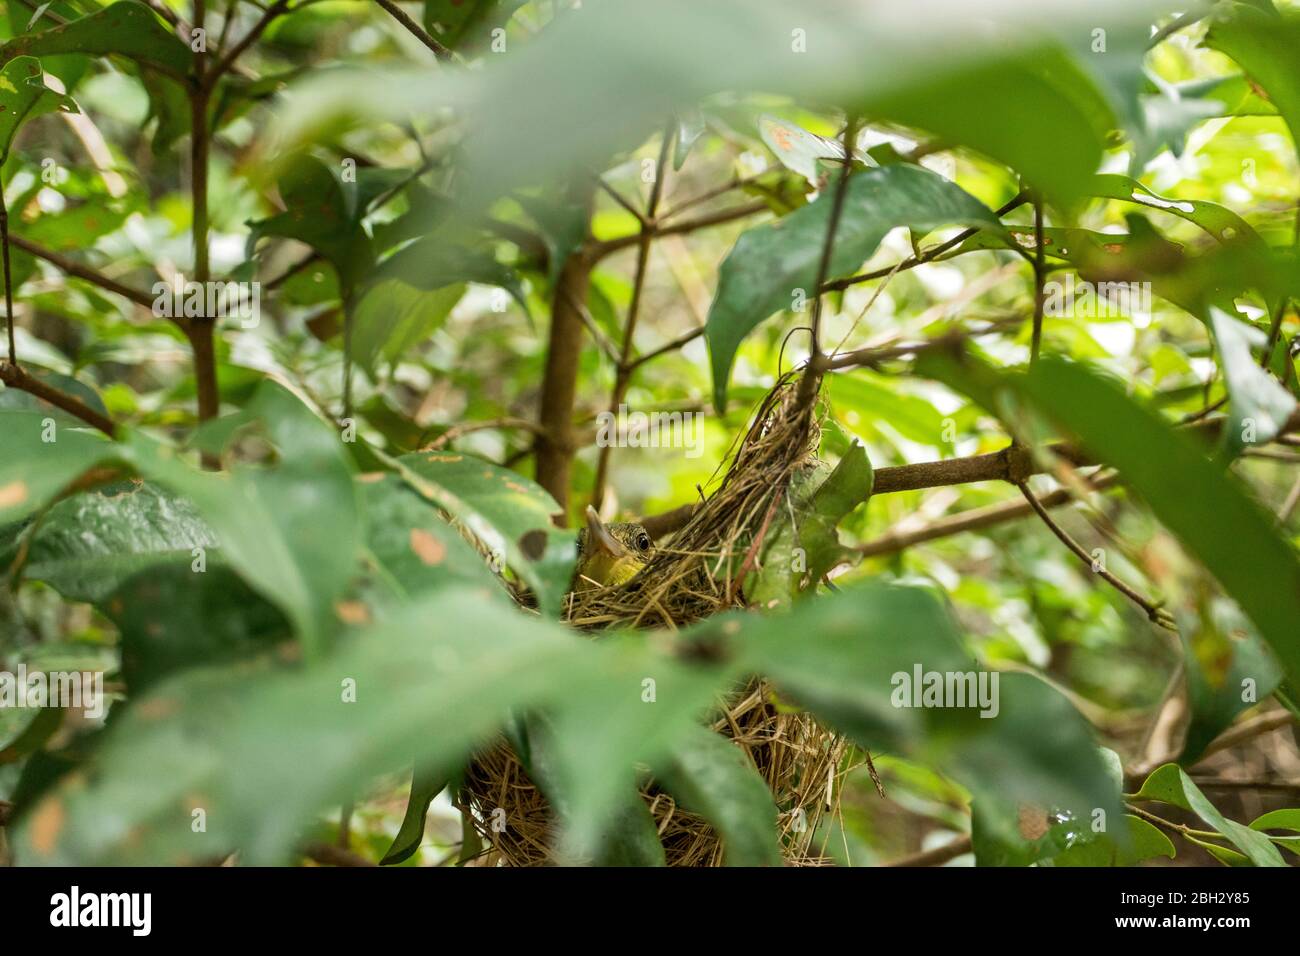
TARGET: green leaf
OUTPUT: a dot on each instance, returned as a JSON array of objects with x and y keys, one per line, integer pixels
[
  {"x": 629, "y": 705},
  {"x": 508, "y": 513},
  {"x": 415, "y": 548},
  {"x": 1170, "y": 784},
  {"x": 171, "y": 618},
  {"x": 435, "y": 262},
  {"x": 713, "y": 777},
  {"x": 41, "y": 457},
  {"x": 424, "y": 787},
  {"x": 797, "y": 149},
  {"x": 392, "y": 318},
  {"x": 857, "y": 658},
  {"x": 89, "y": 544},
  {"x": 690, "y": 127},
  {"x": 456, "y": 21},
  {"x": 322, "y": 211},
  {"x": 1260, "y": 405},
  {"x": 128, "y": 28},
  {"x": 431, "y": 684},
  {"x": 292, "y": 530},
  {"x": 1219, "y": 221},
  {"x": 23, "y": 95},
  {"x": 772, "y": 264},
  {"x": 1208, "y": 509},
  {"x": 818, "y": 503},
  {"x": 1145, "y": 842},
  {"x": 1264, "y": 43}
]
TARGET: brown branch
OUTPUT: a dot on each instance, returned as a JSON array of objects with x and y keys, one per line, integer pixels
[
  {"x": 873, "y": 357},
  {"x": 1155, "y": 613},
  {"x": 663, "y": 524},
  {"x": 328, "y": 855},
  {"x": 939, "y": 855},
  {"x": 555, "y": 444},
  {"x": 397, "y": 13},
  {"x": 810, "y": 382},
  {"x": 79, "y": 271},
  {"x": 208, "y": 80},
  {"x": 1261, "y": 784},
  {"x": 456, "y": 431},
  {"x": 17, "y": 377},
  {"x": 672, "y": 346},
  {"x": 975, "y": 519},
  {"x": 706, "y": 221},
  {"x": 1247, "y": 730}
]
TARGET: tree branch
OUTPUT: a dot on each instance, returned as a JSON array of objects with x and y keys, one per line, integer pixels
[
  {"x": 16, "y": 377},
  {"x": 417, "y": 31},
  {"x": 974, "y": 519},
  {"x": 1155, "y": 613},
  {"x": 936, "y": 857}
]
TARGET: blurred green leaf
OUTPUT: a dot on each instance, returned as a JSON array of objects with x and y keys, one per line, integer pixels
[
  {"x": 1263, "y": 43},
  {"x": 713, "y": 777},
  {"x": 293, "y": 530},
  {"x": 1260, "y": 406}
]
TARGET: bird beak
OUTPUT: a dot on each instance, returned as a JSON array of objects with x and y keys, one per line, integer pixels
[{"x": 600, "y": 536}]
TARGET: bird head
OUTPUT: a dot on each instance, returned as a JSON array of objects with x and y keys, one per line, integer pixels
[{"x": 610, "y": 555}]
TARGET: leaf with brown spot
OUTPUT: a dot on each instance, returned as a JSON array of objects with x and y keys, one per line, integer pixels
[
  {"x": 46, "y": 825},
  {"x": 426, "y": 547},
  {"x": 14, "y": 493},
  {"x": 352, "y": 612}
]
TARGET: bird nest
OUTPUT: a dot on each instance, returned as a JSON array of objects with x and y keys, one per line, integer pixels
[{"x": 699, "y": 572}]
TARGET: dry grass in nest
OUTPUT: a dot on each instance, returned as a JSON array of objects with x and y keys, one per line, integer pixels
[{"x": 687, "y": 580}]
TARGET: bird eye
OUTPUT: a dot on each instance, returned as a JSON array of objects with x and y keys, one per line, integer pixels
[{"x": 643, "y": 542}]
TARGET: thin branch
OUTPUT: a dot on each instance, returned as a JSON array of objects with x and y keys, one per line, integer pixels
[
  {"x": 1248, "y": 730},
  {"x": 974, "y": 519},
  {"x": 873, "y": 357},
  {"x": 1180, "y": 22},
  {"x": 623, "y": 376},
  {"x": 79, "y": 271},
  {"x": 677, "y": 343},
  {"x": 602, "y": 249},
  {"x": 456, "y": 431},
  {"x": 936, "y": 857},
  {"x": 328, "y": 855},
  {"x": 16, "y": 377},
  {"x": 417, "y": 31},
  {"x": 209, "y": 79},
  {"x": 1155, "y": 613}
]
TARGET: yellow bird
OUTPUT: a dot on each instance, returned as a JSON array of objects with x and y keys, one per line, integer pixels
[{"x": 609, "y": 555}]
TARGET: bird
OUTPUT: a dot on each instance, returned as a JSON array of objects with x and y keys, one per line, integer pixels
[{"x": 610, "y": 555}]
